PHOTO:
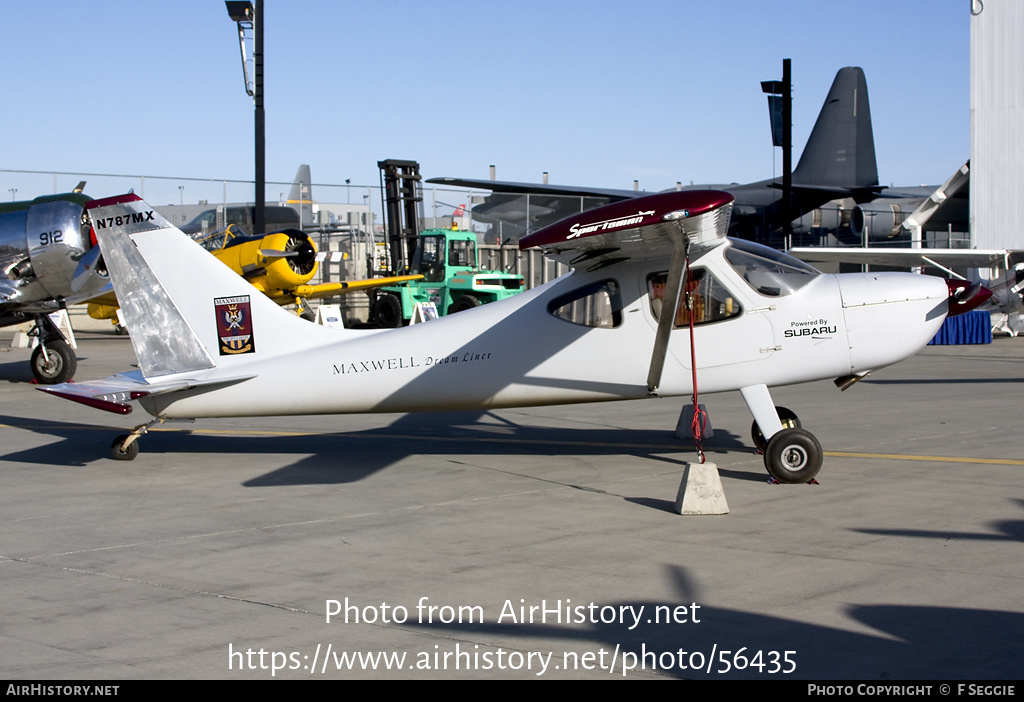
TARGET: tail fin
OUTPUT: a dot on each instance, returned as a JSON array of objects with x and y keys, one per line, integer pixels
[
  {"x": 186, "y": 310},
  {"x": 301, "y": 195},
  {"x": 841, "y": 149}
]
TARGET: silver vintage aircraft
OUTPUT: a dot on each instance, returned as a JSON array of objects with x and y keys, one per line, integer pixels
[
  {"x": 649, "y": 274},
  {"x": 48, "y": 260}
]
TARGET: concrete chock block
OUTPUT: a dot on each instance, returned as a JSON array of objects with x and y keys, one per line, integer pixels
[{"x": 700, "y": 491}]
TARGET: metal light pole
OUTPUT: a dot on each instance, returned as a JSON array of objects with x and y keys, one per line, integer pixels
[
  {"x": 780, "y": 106},
  {"x": 246, "y": 17}
]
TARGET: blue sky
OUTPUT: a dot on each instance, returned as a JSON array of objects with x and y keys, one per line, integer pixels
[{"x": 594, "y": 92}]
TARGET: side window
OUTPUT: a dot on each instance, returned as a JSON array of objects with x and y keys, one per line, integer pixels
[
  {"x": 705, "y": 298},
  {"x": 595, "y": 305},
  {"x": 429, "y": 258},
  {"x": 769, "y": 272},
  {"x": 461, "y": 253}
]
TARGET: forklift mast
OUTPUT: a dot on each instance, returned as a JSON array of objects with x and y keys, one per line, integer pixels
[{"x": 403, "y": 206}]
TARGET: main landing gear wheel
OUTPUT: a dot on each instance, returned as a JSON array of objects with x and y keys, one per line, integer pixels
[
  {"x": 789, "y": 421},
  {"x": 793, "y": 456},
  {"x": 57, "y": 365},
  {"x": 120, "y": 452}
]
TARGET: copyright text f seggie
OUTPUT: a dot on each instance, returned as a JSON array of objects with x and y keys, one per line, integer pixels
[{"x": 521, "y": 612}]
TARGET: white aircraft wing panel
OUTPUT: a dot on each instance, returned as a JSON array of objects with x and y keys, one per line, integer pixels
[{"x": 908, "y": 258}]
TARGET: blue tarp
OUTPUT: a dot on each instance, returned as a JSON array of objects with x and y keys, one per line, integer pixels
[{"x": 969, "y": 328}]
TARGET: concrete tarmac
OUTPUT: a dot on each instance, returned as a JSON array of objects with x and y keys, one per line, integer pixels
[{"x": 521, "y": 543}]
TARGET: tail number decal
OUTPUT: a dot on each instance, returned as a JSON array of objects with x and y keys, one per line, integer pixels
[{"x": 122, "y": 220}]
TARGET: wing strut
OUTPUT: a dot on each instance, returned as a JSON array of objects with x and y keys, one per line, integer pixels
[{"x": 670, "y": 306}]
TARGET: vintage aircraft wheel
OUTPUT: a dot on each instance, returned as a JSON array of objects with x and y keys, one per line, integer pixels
[
  {"x": 466, "y": 302},
  {"x": 793, "y": 456},
  {"x": 120, "y": 453},
  {"x": 60, "y": 367},
  {"x": 789, "y": 421},
  {"x": 387, "y": 310}
]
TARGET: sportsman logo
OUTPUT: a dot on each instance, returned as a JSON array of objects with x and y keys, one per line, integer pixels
[{"x": 234, "y": 325}]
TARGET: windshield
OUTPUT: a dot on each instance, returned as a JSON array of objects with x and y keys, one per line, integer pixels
[{"x": 769, "y": 272}]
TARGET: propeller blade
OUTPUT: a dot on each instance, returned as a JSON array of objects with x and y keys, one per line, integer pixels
[{"x": 272, "y": 253}]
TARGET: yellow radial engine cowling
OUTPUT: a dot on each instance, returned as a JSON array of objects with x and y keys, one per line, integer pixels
[{"x": 274, "y": 263}]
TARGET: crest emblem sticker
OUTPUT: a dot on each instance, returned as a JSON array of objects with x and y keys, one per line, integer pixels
[{"x": 234, "y": 325}]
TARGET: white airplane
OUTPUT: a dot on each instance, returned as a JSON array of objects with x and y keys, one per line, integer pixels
[{"x": 209, "y": 345}]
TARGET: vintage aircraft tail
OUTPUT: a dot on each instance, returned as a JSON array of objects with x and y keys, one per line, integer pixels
[
  {"x": 186, "y": 311},
  {"x": 840, "y": 152},
  {"x": 301, "y": 195}
]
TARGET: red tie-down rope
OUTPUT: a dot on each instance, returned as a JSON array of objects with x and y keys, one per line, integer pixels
[{"x": 700, "y": 419}]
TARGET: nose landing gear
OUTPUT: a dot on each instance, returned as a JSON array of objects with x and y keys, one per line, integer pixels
[{"x": 791, "y": 453}]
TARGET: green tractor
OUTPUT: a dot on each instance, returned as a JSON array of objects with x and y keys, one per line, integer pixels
[{"x": 452, "y": 279}]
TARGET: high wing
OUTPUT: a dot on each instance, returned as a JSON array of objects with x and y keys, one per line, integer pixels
[
  {"x": 646, "y": 227},
  {"x": 672, "y": 225}
]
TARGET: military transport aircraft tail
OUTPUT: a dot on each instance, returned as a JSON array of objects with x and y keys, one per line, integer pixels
[{"x": 840, "y": 153}]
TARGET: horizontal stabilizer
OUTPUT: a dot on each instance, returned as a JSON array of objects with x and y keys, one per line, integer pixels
[{"x": 112, "y": 394}]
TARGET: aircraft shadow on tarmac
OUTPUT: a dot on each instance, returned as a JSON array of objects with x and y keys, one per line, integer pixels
[
  {"x": 912, "y": 642},
  {"x": 346, "y": 457},
  {"x": 16, "y": 372},
  {"x": 1007, "y": 530}
]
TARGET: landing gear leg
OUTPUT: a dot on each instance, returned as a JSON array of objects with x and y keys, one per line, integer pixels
[
  {"x": 54, "y": 360},
  {"x": 788, "y": 419},
  {"x": 126, "y": 446},
  {"x": 791, "y": 454}
]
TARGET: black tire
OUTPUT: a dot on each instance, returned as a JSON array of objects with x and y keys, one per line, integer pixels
[
  {"x": 793, "y": 456},
  {"x": 118, "y": 451},
  {"x": 789, "y": 421},
  {"x": 387, "y": 310},
  {"x": 466, "y": 302},
  {"x": 61, "y": 366}
]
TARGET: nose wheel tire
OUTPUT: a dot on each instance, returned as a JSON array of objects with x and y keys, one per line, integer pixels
[
  {"x": 793, "y": 456},
  {"x": 120, "y": 452},
  {"x": 57, "y": 365},
  {"x": 789, "y": 421}
]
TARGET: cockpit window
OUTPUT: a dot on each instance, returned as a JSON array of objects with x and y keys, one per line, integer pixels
[
  {"x": 595, "y": 305},
  {"x": 461, "y": 253},
  {"x": 768, "y": 271},
  {"x": 705, "y": 298}
]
